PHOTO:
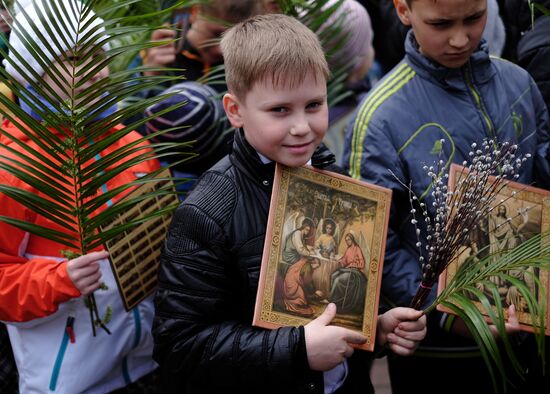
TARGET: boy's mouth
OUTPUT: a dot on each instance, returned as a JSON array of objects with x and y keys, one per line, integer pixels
[
  {"x": 458, "y": 54},
  {"x": 298, "y": 148}
]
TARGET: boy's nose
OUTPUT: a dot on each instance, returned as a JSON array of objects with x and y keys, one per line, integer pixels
[
  {"x": 459, "y": 39},
  {"x": 300, "y": 127}
]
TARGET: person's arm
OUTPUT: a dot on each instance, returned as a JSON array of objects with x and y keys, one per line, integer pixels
[
  {"x": 34, "y": 288},
  {"x": 298, "y": 243},
  {"x": 359, "y": 258},
  {"x": 198, "y": 327}
]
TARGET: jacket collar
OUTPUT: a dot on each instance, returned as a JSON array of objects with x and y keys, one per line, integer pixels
[
  {"x": 247, "y": 160},
  {"x": 479, "y": 65}
]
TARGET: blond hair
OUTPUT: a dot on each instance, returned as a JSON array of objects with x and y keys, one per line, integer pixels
[{"x": 273, "y": 46}]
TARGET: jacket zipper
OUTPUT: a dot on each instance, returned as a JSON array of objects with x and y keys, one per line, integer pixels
[
  {"x": 137, "y": 336},
  {"x": 68, "y": 336}
]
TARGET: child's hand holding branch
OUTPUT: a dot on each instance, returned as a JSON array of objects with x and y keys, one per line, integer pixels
[
  {"x": 402, "y": 329},
  {"x": 85, "y": 273}
]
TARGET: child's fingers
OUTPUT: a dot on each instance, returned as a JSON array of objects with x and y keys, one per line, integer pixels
[
  {"x": 326, "y": 317},
  {"x": 512, "y": 316},
  {"x": 413, "y": 335},
  {"x": 90, "y": 279},
  {"x": 407, "y": 314},
  {"x": 400, "y": 345},
  {"x": 89, "y": 283},
  {"x": 87, "y": 259},
  {"x": 90, "y": 288},
  {"x": 354, "y": 337},
  {"x": 163, "y": 34},
  {"x": 417, "y": 325},
  {"x": 86, "y": 271}
]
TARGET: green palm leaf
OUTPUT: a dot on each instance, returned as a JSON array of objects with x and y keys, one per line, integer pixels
[
  {"x": 63, "y": 171},
  {"x": 464, "y": 298}
]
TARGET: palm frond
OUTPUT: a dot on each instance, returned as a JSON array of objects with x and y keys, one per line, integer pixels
[
  {"x": 61, "y": 155},
  {"x": 473, "y": 295}
]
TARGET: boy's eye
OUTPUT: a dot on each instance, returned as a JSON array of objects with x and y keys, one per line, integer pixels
[
  {"x": 278, "y": 110},
  {"x": 439, "y": 25},
  {"x": 314, "y": 105},
  {"x": 473, "y": 19}
]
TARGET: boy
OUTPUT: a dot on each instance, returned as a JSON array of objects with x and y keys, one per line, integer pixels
[
  {"x": 451, "y": 90},
  {"x": 40, "y": 291},
  {"x": 276, "y": 74},
  {"x": 195, "y": 52}
]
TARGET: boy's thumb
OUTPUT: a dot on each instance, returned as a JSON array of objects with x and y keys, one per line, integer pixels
[{"x": 328, "y": 314}]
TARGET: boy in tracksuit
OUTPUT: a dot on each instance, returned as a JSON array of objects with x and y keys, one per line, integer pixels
[{"x": 446, "y": 87}]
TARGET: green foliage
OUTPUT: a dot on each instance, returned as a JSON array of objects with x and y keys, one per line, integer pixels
[
  {"x": 68, "y": 184},
  {"x": 542, "y": 9},
  {"x": 139, "y": 18},
  {"x": 471, "y": 294}
]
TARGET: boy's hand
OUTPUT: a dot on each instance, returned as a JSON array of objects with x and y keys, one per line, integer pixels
[
  {"x": 163, "y": 55},
  {"x": 327, "y": 346},
  {"x": 84, "y": 271},
  {"x": 402, "y": 329}
]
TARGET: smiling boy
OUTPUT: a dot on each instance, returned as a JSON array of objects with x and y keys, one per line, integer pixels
[
  {"x": 276, "y": 73},
  {"x": 446, "y": 87}
]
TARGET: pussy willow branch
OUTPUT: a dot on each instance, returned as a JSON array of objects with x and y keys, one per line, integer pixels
[{"x": 458, "y": 212}]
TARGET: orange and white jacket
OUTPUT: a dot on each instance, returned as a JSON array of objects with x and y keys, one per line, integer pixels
[{"x": 37, "y": 297}]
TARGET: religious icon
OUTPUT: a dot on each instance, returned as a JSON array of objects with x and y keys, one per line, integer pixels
[
  {"x": 325, "y": 243},
  {"x": 518, "y": 213}
]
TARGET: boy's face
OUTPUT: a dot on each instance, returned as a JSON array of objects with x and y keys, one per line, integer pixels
[
  {"x": 285, "y": 124},
  {"x": 447, "y": 31},
  {"x": 204, "y": 35},
  {"x": 66, "y": 63}
]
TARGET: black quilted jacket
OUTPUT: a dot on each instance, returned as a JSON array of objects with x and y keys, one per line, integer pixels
[{"x": 204, "y": 341}]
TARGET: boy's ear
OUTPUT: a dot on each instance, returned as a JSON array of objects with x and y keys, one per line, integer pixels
[
  {"x": 403, "y": 11},
  {"x": 232, "y": 109}
]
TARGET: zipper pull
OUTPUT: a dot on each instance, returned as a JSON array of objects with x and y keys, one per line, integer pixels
[{"x": 69, "y": 328}]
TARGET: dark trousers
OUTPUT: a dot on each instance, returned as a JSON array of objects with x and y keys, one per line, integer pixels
[{"x": 9, "y": 379}]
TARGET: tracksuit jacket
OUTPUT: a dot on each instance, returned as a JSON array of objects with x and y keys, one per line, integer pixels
[{"x": 399, "y": 125}]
